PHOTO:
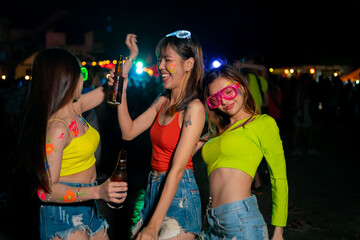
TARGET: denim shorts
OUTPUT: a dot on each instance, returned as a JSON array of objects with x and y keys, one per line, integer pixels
[
  {"x": 61, "y": 220},
  {"x": 237, "y": 220},
  {"x": 184, "y": 213}
]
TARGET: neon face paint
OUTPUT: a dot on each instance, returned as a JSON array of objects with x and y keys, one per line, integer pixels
[
  {"x": 74, "y": 128},
  {"x": 172, "y": 67}
]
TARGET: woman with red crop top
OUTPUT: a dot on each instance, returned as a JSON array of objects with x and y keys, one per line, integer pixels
[
  {"x": 172, "y": 207},
  {"x": 58, "y": 145}
]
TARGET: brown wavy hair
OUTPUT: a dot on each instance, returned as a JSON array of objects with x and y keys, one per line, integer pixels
[
  {"x": 218, "y": 121},
  {"x": 186, "y": 48}
]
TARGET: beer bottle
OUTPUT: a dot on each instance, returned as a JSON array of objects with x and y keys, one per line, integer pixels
[
  {"x": 117, "y": 88},
  {"x": 119, "y": 175}
]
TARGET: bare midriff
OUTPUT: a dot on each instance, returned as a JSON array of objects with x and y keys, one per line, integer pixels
[
  {"x": 228, "y": 185},
  {"x": 157, "y": 173},
  {"x": 86, "y": 176}
]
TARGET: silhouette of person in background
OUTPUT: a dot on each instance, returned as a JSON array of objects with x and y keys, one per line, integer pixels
[
  {"x": 303, "y": 118},
  {"x": 275, "y": 98},
  {"x": 252, "y": 66}
]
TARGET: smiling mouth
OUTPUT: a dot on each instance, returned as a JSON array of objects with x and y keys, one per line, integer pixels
[
  {"x": 165, "y": 76},
  {"x": 228, "y": 107}
]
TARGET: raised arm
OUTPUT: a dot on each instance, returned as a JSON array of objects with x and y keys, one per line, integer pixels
[
  {"x": 97, "y": 96},
  {"x": 193, "y": 123},
  {"x": 133, "y": 128}
]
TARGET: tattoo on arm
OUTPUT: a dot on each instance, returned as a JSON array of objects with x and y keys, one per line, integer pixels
[{"x": 187, "y": 122}]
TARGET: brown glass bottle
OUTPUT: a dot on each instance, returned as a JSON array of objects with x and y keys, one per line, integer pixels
[
  {"x": 117, "y": 88},
  {"x": 119, "y": 175}
]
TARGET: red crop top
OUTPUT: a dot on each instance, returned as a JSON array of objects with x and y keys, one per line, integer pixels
[{"x": 164, "y": 140}]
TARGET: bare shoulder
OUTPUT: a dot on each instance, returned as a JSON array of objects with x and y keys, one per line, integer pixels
[
  {"x": 58, "y": 131},
  {"x": 195, "y": 106},
  {"x": 158, "y": 102},
  {"x": 194, "y": 114}
]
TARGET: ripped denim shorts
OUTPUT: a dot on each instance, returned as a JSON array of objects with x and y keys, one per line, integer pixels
[
  {"x": 184, "y": 213},
  {"x": 237, "y": 220},
  {"x": 61, "y": 220}
]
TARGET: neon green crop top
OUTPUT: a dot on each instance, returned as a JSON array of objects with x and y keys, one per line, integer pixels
[{"x": 243, "y": 148}]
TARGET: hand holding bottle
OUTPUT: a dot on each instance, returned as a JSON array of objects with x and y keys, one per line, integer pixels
[
  {"x": 115, "y": 192},
  {"x": 119, "y": 175}
]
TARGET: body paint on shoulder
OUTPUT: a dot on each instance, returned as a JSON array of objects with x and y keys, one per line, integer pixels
[
  {"x": 62, "y": 136},
  {"x": 74, "y": 128},
  {"x": 82, "y": 120}
]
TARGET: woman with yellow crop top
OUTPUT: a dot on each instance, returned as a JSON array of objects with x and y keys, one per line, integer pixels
[
  {"x": 59, "y": 146},
  {"x": 240, "y": 139}
]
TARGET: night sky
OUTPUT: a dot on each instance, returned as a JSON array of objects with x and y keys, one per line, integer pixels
[{"x": 292, "y": 32}]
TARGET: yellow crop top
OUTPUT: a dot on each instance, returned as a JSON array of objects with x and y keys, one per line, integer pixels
[
  {"x": 243, "y": 148},
  {"x": 79, "y": 155}
]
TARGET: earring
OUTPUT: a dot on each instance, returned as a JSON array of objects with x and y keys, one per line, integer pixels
[{"x": 239, "y": 92}]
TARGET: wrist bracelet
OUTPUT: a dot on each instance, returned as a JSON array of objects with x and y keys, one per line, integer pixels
[
  {"x": 131, "y": 60},
  {"x": 78, "y": 192}
]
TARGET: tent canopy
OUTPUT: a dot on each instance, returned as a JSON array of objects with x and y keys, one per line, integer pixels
[{"x": 353, "y": 76}]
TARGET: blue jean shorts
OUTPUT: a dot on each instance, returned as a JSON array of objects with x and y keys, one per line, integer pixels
[
  {"x": 184, "y": 213},
  {"x": 61, "y": 220},
  {"x": 237, "y": 220}
]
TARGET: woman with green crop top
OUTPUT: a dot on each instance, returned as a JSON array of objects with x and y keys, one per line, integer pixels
[{"x": 240, "y": 138}]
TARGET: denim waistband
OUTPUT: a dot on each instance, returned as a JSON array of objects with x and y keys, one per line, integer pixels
[
  {"x": 188, "y": 176},
  {"x": 74, "y": 184},
  {"x": 244, "y": 204}
]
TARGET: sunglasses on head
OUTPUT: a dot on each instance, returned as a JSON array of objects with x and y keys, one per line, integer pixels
[
  {"x": 84, "y": 73},
  {"x": 180, "y": 34},
  {"x": 229, "y": 92}
]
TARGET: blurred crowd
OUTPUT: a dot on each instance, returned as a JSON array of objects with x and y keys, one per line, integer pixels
[
  {"x": 298, "y": 104},
  {"x": 326, "y": 100}
]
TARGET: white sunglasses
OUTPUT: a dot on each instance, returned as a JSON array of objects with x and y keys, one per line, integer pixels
[{"x": 180, "y": 34}]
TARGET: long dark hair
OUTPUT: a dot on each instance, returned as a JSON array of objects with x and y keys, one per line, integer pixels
[
  {"x": 55, "y": 76},
  {"x": 217, "y": 120},
  {"x": 186, "y": 48}
]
